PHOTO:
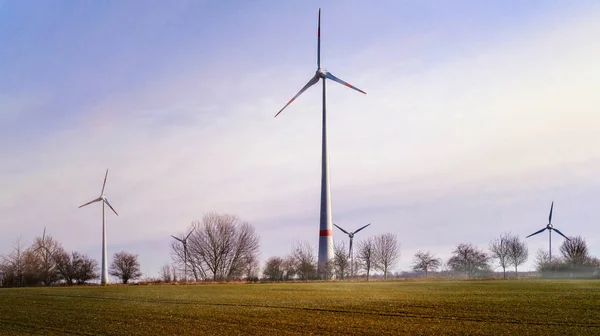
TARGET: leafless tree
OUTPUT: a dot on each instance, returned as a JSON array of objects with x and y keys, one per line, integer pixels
[
  {"x": 341, "y": 260},
  {"x": 220, "y": 247},
  {"x": 125, "y": 266},
  {"x": 13, "y": 266},
  {"x": 165, "y": 273},
  {"x": 542, "y": 260},
  {"x": 425, "y": 261},
  {"x": 44, "y": 249},
  {"x": 366, "y": 254},
  {"x": 468, "y": 259},
  {"x": 75, "y": 267},
  {"x": 274, "y": 270},
  {"x": 251, "y": 268},
  {"x": 387, "y": 251},
  {"x": 305, "y": 261},
  {"x": 175, "y": 276},
  {"x": 499, "y": 249},
  {"x": 289, "y": 267},
  {"x": 517, "y": 252},
  {"x": 575, "y": 251}
]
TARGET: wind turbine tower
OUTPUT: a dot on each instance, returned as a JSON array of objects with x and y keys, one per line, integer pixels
[
  {"x": 325, "y": 223},
  {"x": 104, "y": 200}
]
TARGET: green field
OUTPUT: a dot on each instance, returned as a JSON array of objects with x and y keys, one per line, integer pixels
[{"x": 374, "y": 308}]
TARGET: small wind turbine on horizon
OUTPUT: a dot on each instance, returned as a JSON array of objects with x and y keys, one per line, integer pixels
[
  {"x": 104, "y": 200},
  {"x": 325, "y": 227},
  {"x": 184, "y": 242},
  {"x": 550, "y": 228},
  {"x": 350, "y": 251}
]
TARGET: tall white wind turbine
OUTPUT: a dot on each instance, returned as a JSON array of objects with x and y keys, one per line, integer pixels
[
  {"x": 325, "y": 226},
  {"x": 104, "y": 200}
]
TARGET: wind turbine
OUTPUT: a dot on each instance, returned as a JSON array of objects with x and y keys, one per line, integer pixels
[
  {"x": 325, "y": 227},
  {"x": 550, "y": 228},
  {"x": 43, "y": 244},
  {"x": 184, "y": 242},
  {"x": 104, "y": 200},
  {"x": 351, "y": 236}
]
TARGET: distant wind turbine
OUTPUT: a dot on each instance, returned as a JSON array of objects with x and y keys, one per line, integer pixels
[
  {"x": 43, "y": 243},
  {"x": 550, "y": 228},
  {"x": 351, "y": 236},
  {"x": 325, "y": 227},
  {"x": 184, "y": 242},
  {"x": 104, "y": 200}
]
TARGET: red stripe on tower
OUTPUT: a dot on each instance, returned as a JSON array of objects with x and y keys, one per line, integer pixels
[{"x": 325, "y": 233}]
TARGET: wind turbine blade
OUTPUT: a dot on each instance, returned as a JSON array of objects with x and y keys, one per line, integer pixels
[
  {"x": 319, "y": 42},
  {"x": 310, "y": 83},
  {"x": 104, "y": 184},
  {"x": 550, "y": 217},
  {"x": 533, "y": 234},
  {"x": 188, "y": 235},
  {"x": 362, "y": 228},
  {"x": 335, "y": 79},
  {"x": 110, "y": 206},
  {"x": 560, "y": 233},
  {"x": 177, "y": 238},
  {"x": 90, "y": 202},
  {"x": 344, "y": 231},
  {"x": 44, "y": 236}
]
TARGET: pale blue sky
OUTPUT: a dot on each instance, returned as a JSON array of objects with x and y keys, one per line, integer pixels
[{"x": 478, "y": 115}]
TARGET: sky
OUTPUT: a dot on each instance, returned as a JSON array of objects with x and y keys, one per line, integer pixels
[{"x": 477, "y": 116}]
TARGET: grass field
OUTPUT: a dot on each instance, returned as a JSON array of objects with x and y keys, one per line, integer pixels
[{"x": 375, "y": 308}]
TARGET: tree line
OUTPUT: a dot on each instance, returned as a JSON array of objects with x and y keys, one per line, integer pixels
[
  {"x": 46, "y": 263},
  {"x": 222, "y": 247}
]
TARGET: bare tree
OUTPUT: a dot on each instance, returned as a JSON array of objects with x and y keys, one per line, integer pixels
[
  {"x": 468, "y": 259},
  {"x": 44, "y": 249},
  {"x": 305, "y": 261},
  {"x": 125, "y": 266},
  {"x": 517, "y": 252},
  {"x": 574, "y": 251},
  {"x": 387, "y": 251},
  {"x": 32, "y": 268},
  {"x": 13, "y": 266},
  {"x": 165, "y": 273},
  {"x": 425, "y": 261},
  {"x": 289, "y": 267},
  {"x": 273, "y": 269},
  {"x": 366, "y": 255},
  {"x": 251, "y": 268},
  {"x": 75, "y": 267},
  {"x": 542, "y": 260},
  {"x": 341, "y": 260},
  {"x": 499, "y": 249},
  {"x": 221, "y": 247},
  {"x": 86, "y": 270}
]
